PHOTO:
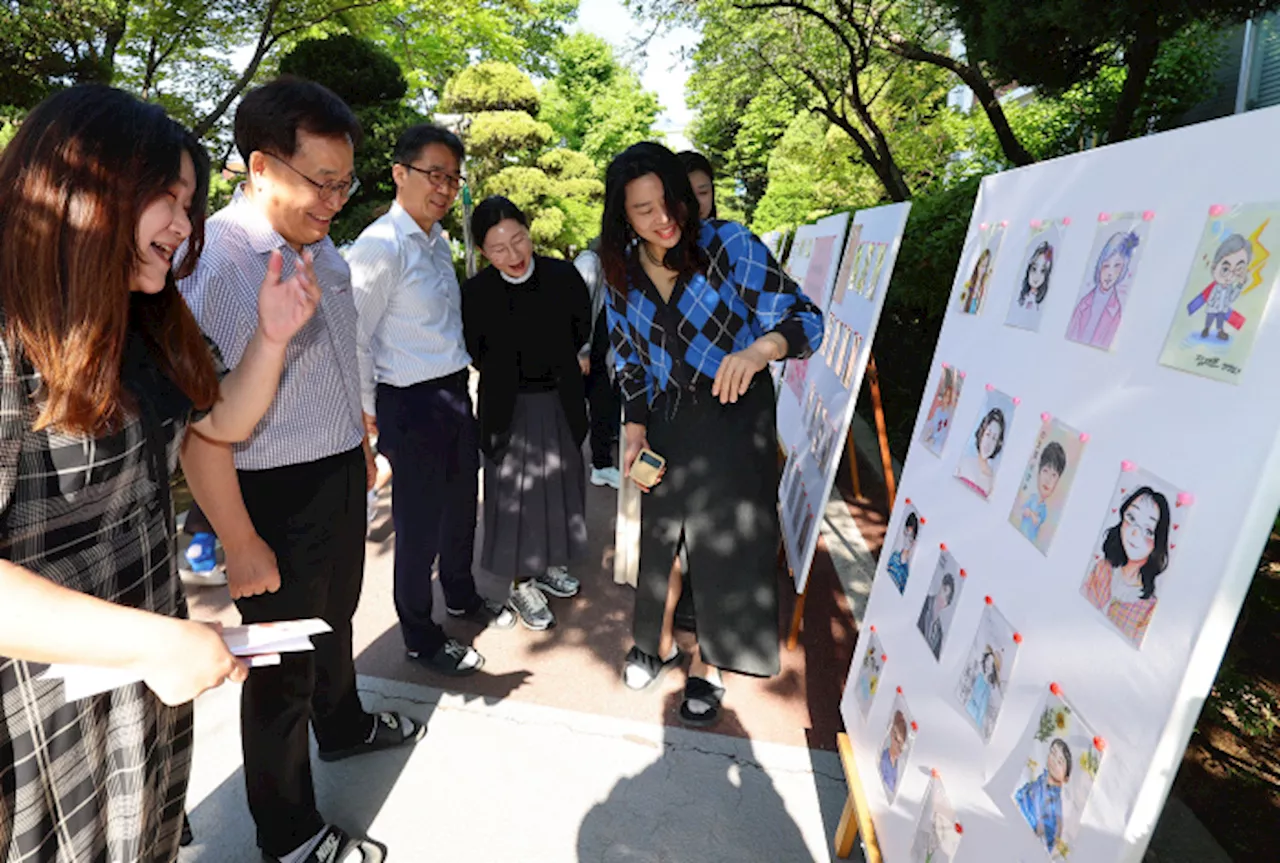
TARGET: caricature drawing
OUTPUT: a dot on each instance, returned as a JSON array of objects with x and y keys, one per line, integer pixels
[
  {"x": 1097, "y": 315},
  {"x": 976, "y": 288},
  {"x": 1040, "y": 801},
  {"x": 1035, "y": 511},
  {"x": 1035, "y": 281},
  {"x": 1230, "y": 272},
  {"x": 899, "y": 566},
  {"x": 1134, "y": 553},
  {"x": 891, "y": 755},
  {"x": 937, "y": 424},
  {"x": 931, "y": 623},
  {"x": 977, "y": 470}
]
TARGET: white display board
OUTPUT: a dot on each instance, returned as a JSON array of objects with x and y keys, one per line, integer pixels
[
  {"x": 817, "y": 396},
  {"x": 773, "y": 241},
  {"x": 814, "y": 258},
  {"x": 1118, "y": 531}
]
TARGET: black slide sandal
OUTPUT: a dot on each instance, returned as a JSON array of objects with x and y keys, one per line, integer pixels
[
  {"x": 699, "y": 689},
  {"x": 335, "y": 846}
]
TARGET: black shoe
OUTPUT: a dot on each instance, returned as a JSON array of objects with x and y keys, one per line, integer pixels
[
  {"x": 389, "y": 731},
  {"x": 708, "y": 695},
  {"x": 487, "y": 613},
  {"x": 453, "y": 659},
  {"x": 187, "y": 837},
  {"x": 640, "y": 671}
]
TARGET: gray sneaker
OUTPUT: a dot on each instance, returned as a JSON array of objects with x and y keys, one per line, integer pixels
[
  {"x": 558, "y": 582},
  {"x": 531, "y": 606}
]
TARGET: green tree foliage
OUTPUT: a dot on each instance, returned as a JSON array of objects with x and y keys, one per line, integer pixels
[
  {"x": 594, "y": 103},
  {"x": 1060, "y": 44},
  {"x": 492, "y": 86},
  {"x": 559, "y": 189}
]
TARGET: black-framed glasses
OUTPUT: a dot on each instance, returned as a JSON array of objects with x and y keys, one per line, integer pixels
[
  {"x": 342, "y": 189},
  {"x": 439, "y": 178}
]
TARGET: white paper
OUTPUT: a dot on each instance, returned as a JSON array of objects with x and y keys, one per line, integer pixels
[{"x": 260, "y": 644}]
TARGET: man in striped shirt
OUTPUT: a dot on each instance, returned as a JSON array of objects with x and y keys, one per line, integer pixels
[
  {"x": 293, "y": 525},
  {"x": 415, "y": 395}
]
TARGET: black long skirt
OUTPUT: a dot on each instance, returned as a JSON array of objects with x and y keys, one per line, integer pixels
[
  {"x": 719, "y": 492},
  {"x": 535, "y": 494}
]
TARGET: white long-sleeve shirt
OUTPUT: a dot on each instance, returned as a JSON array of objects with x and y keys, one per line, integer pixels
[{"x": 409, "y": 305}]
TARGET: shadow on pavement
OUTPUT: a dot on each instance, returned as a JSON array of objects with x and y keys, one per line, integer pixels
[{"x": 705, "y": 799}]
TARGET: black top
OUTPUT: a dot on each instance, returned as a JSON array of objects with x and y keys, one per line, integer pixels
[
  {"x": 536, "y": 355},
  {"x": 525, "y": 338}
]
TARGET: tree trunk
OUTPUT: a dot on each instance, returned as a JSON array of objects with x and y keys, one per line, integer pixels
[
  {"x": 265, "y": 41},
  {"x": 1139, "y": 60},
  {"x": 990, "y": 102}
]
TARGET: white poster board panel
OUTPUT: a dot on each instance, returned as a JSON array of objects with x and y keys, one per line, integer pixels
[
  {"x": 1144, "y": 400},
  {"x": 817, "y": 396},
  {"x": 814, "y": 258}
]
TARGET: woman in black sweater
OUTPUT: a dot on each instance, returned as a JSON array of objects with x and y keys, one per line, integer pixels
[{"x": 525, "y": 318}]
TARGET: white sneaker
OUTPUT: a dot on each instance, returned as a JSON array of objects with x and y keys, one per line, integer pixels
[{"x": 609, "y": 476}]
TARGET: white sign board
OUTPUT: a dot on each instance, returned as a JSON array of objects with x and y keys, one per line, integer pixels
[
  {"x": 1091, "y": 482},
  {"x": 818, "y": 395},
  {"x": 815, "y": 256}
]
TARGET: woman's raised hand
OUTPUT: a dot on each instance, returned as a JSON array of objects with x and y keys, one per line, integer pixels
[{"x": 285, "y": 305}]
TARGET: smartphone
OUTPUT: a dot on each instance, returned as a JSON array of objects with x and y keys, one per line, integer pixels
[{"x": 647, "y": 467}]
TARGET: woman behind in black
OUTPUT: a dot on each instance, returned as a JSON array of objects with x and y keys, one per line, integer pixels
[
  {"x": 697, "y": 311},
  {"x": 703, "y": 179},
  {"x": 525, "y": 318}
]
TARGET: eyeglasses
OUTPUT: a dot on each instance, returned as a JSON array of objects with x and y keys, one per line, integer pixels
[
  {"x": 438, "y": 178},
  {"x": 341, "y": 189}
]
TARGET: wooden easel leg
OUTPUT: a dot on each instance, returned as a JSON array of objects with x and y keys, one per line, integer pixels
[
  {"x": 856, "y": 819},
  {"x": 793, "y": 637},
  {"x": 886, "y": 459},
  {"x": 852, "y": 450},
  {"x": 847, "y": 832}
]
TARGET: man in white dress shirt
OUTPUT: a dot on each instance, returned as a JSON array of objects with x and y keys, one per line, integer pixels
[
  {"x": 293, "y": 524},
  {"x": 416, "y": 399}
]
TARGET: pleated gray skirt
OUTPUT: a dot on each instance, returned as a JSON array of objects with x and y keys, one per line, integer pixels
[{"x": 535, "y": 494}]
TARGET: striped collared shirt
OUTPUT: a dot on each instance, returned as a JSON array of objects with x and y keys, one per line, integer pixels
[
  {"x": 410, "y": 305},
  {"x": 316, "y": 411}
]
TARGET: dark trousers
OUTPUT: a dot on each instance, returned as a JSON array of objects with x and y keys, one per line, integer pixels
[
  {"x": 602, "y": 400},
  {"x": 428, "y": 433},
  {"x": 312, "y": 516},
  {"x": 196, "y": 521}
]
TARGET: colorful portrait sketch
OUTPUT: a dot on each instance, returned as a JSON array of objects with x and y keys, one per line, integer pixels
[
  {"x": 845, "y": 278},
  {"x": 937, "y": 424},
  {"x": 1061, "y": 766},
  {"x": 868, "y": 682},
  {"x": 978, "y": 268},
  {"x": 984, "y": 449},
  {"x": 1108, "y": 280},
  {"x": 936, "y": 839},
  {"x": 1134, "y": 551},
  {"x": 1035, "y": 275},
  {"x": 877, "y": 253},
  {"x": 1227, "y": 291},
  {"x": 984, "y": 679},
  {"x": 939, "y": 606},
  {"x": 820, "y": 263},
  {"x": 899, "y": 564},
  {"x": 896, "y": 747},
  {"x": 795, "y": 372},
  {"x": 1050, "y": 471}
]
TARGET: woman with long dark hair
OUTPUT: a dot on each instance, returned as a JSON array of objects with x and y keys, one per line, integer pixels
[
  {"x": 102, "y": 371},
  {"x": 525, "y": 317},
  {"x": 697, "y": 311},
  {"x": 703, "y": 179}
]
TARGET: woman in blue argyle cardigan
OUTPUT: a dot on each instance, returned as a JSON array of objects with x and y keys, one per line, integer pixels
[{"x": 697, "y": 312}]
